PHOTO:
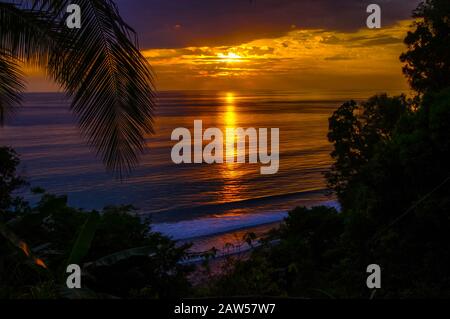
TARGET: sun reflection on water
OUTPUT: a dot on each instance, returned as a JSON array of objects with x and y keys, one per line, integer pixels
[
  {"x": 230, "y": 174},
  {"x": 230, "y": 123}
]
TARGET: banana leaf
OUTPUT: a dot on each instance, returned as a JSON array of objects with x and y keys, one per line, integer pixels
[
  {"x": 84, "y": 239},
  {"x": 20, "y": 244},
  {"x": 122, "y": 255}
]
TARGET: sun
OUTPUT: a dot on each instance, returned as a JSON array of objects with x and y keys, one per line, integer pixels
[{"x": 230, "y": 57}]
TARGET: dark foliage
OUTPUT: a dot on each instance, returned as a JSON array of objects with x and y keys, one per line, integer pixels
[
  {"x": 117, "y": 250},
  {"x": 357, "y": 132},
  {"x": 427, "y": 61},
  {"x": 9, "y": 180}
]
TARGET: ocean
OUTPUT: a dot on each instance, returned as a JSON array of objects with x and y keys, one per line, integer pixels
[{"x": 210, "y": 205}]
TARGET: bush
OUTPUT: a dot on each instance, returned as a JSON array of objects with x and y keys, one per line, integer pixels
[{"x": 139, "y": 263}]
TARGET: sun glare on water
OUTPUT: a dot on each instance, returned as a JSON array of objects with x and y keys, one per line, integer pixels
[
  {"x": 232, "y": 187},
  {"x": 230, "y": 125},
  {"x": 230, "y": 114}
]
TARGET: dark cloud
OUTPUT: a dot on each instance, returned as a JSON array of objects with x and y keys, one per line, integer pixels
[
  {"x": 338, "y": 57},
  {"x": 181, "y": 23},
  {"x": 364, "y": 41},
  {"x": 382, "y": 41}
]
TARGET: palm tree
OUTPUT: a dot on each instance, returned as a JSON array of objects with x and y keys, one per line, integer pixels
[{"x": 99, "y": 66}]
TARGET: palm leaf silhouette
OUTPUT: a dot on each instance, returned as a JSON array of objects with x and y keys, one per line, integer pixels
[
  {"x": 99, "y": 66},
  {"x": 11, "y": 85}
]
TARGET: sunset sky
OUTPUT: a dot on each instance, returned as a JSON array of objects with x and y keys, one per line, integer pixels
[{"x": 312, "y": 45}]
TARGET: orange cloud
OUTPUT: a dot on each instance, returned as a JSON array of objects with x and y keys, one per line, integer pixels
[
  {"x": 301, "y": 59},
  {"x": 315, "y": 60}
]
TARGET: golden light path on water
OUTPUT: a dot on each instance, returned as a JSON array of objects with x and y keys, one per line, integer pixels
[
  {"x": 230, "y": 123},
  {"x": 232, "y": 187}
]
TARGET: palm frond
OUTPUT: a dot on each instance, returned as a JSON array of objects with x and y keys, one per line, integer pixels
[
  {"x": 111, "y": 84},
  {"x": 99, "y": 66},
  {"x": 27, "y": 34},
  {"x": 11, "y": 85}
]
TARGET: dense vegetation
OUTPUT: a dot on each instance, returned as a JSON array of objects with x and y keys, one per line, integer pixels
[{"x": 120, "y": 255}]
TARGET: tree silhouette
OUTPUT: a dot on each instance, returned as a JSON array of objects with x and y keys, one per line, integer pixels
[
  {"x": 427, "y": 61},
  {"x": 356, "y": 131}
]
